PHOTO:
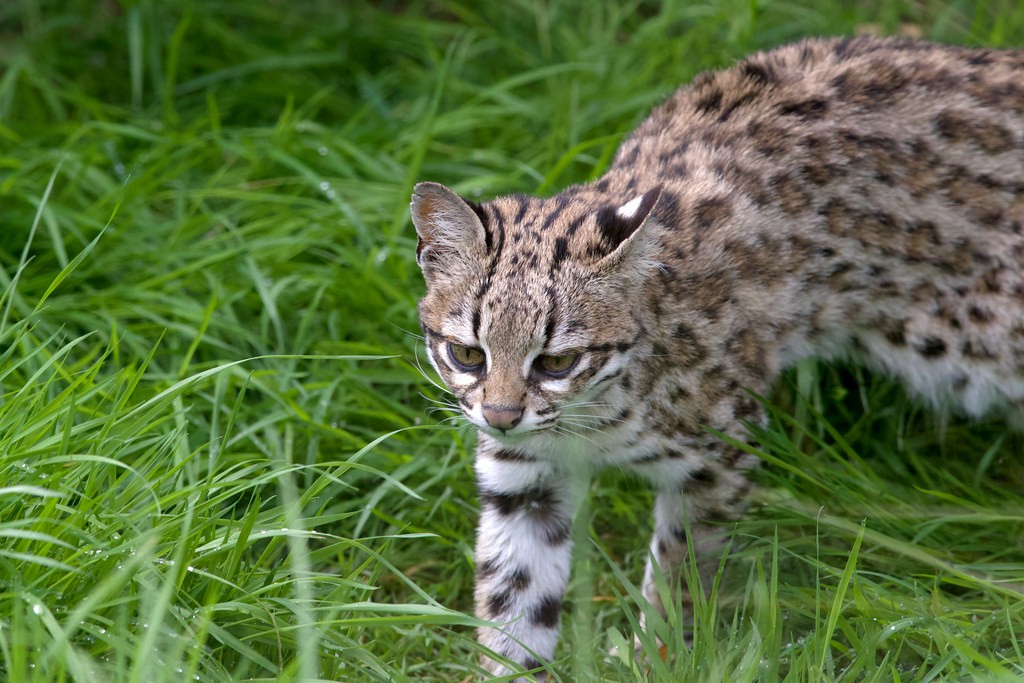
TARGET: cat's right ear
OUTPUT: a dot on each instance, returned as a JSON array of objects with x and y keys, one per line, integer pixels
[
  {"x": 621, "y": 229},
  {"x": 448, "y": 226}
]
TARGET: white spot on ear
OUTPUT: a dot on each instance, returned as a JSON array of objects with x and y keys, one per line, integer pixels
[{"x": 629, "y": 208}]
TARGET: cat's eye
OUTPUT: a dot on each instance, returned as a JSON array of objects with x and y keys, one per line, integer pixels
[
  {"x": 556, "y": 366},
  {"x": 466, "y": 358}
]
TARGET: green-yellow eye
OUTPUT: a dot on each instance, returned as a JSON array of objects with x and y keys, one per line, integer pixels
[
  {"x": 466, "y": 358},
  {"x": 557, "y": 366}
]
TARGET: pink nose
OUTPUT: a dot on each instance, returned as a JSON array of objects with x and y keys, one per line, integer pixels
[{"x": 502, "y": 417}]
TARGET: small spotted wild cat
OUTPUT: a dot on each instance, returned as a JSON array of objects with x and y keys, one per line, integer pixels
[{"x": 844, "y": 198}]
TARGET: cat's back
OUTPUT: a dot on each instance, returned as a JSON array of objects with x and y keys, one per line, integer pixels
[
  {"x": 846, "y": 81},
  {"x": 836, "y": 113},
  {"x": 860, "y": 197},
  {"x": 852, "y": 147}
]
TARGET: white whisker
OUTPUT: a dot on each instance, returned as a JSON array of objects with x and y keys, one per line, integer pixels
[
  {"x": 410, "y": 333},
  {"x": 419, "y": 367},
  {"x": 440, "y": 401},
  {"x": 431, "y": 411},
  {"x": 587, "y": 404},
  {"x": 559, "y": 429}
]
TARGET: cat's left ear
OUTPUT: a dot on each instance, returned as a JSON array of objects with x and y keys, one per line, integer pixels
[
  {"x": 622, "y": 230},
  {"x": 449, "y": 227}
]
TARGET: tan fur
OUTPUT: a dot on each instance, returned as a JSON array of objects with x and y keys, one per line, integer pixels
[{"x": 855, "y": 198}]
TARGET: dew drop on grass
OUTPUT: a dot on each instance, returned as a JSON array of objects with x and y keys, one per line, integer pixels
[
  {"x": 37, "y": 609},
  {"x": 321, "y": 150},
  {"x": 328, "y": 191}
]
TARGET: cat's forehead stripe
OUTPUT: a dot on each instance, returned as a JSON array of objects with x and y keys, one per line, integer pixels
[{"x": 497, "y": 221}]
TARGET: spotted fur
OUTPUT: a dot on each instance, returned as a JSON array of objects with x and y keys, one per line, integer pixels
[{"x": 847, "y": 198}]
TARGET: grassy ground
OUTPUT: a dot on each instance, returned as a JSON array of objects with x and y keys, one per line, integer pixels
[{"x": 218, "y": 459}]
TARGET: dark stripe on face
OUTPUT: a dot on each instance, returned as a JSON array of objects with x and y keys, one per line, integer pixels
[
  {"x": 549, "y": 326},
  {"x": 475, "y": 325},
  {"x": 429, "y": 331},
  {"x": 495, "y": 253},
  {"x": 613, "y": 375},
  {"x": 621, "y": 347},
  {"x": 596, "y": 365}
]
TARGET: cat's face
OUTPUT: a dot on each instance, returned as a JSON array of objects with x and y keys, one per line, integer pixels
[{"x": 528, "y": 325}]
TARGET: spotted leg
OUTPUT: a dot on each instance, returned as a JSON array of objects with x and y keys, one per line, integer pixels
[
  {"x": 523, "y": 554},
  {"x": 695, "y": 506}
]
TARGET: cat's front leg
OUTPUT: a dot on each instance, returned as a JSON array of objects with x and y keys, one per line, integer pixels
[
  {"x": 523, "y": 554},
  {"x": 694, "y": 508}
]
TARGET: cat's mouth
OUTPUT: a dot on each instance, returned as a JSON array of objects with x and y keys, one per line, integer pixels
[
  {"x": 510, "y": 436},
  {"x": 516, "y": 434}
]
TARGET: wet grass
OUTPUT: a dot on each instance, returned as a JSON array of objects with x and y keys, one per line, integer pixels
[{"x": 217, "y": 452}]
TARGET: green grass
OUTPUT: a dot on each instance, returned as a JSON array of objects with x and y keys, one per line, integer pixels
[{"x": 217, "y": 452}]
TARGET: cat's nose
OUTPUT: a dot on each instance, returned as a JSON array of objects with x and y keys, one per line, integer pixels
[{"x": 502, "y": 417}]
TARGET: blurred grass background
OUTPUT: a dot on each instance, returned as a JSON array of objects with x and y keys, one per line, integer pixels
[{"x": 217, "y": 452}]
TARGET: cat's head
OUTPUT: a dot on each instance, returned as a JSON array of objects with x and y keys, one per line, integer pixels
[{"x": 531, "y": 305}]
